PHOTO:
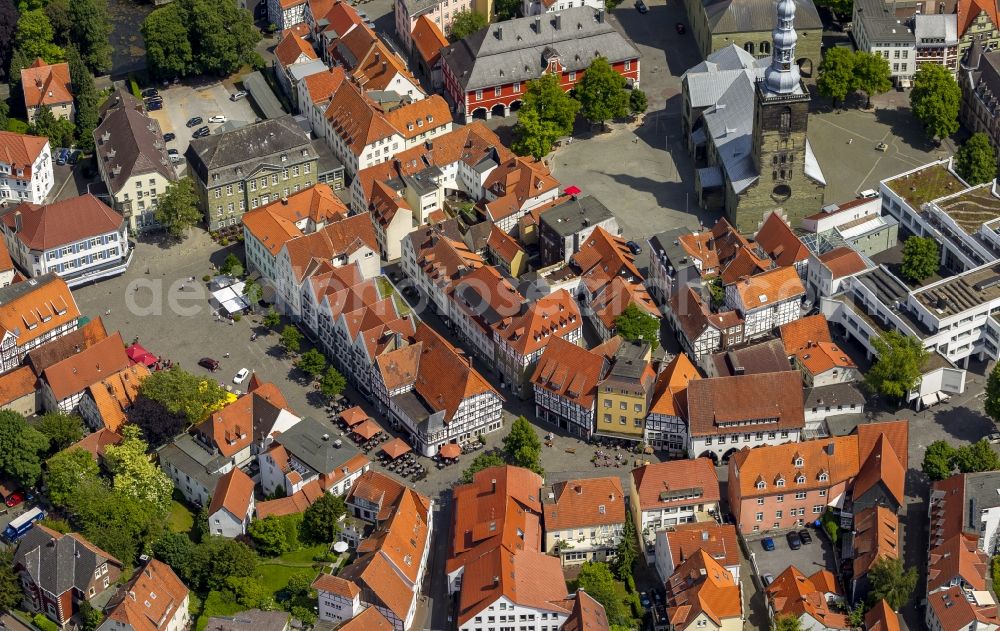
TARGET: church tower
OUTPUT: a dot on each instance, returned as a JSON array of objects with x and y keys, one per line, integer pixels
[{"x": 781, "y": 119}]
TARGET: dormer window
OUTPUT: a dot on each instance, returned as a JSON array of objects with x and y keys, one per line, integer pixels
[
  {"x": 761, "y": 485},
  {"x": 800, "y": 480},
  {"x": 284, "y": 157},
  {"x": 780, "y": 482},
  {"x": 823, "y": 477},
  {"x": 799, "y": 462}
]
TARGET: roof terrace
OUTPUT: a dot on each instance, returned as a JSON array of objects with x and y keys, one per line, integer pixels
[
  {"x": 972, "y": 208},
  {"x": 927, "y": 184}
]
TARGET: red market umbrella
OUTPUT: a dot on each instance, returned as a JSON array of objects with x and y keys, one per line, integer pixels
[
  {"x": 139, "y": 355},
  {"x": 451, "y": 450},
  {"x": 353, "y": 416},
  {"x": 395, "y": 448},
  {"x": 572, "y": 190},
  {"x": 367, "y": 430}
]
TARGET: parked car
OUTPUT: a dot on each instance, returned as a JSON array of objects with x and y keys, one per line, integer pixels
[
  {"x": 633, "y": 247},
  {"x": 149, "y": 92},
  {"x": 805, "y": 537},
  {"x": 63, "y": 157},
  {"x": 641, "y": 7},
  {"x": 201, "y": 132},
  {"x": 680, "y": 28},
  {"x": 881, "y": 147},
  {"x": 15, "y": 498},
  {"x": 236, "y": 96},
  {"x": 241, "y": 375},
  {"x": 193, "y": 122},
  {"x": 155, "y": 105},
  {"x": 644, "y": 599},
  {"x": 794, "y": 542},
  {"x": 167, "y": 137},
  {"x": 74, "y": 156},
  {"x": 768, "y": 544},
  {"x": 994, "y": 437},
  {"x": 209, "y": 363},
  {"x": 218, "y": 118}
]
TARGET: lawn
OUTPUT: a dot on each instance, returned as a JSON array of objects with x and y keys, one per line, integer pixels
[
  {"x": 276, "y": 572},
  {"x": 925, "y": 185},
  {"x": 217, "y": 604},
  {"x": 386, "y": 289},
  {"x": 180, "y": 519}
]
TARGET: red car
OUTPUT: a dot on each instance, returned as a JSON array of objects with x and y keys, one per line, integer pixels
[{"x": 14, "y": 499}]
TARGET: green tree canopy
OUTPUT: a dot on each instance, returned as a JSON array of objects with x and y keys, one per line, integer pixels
[
  {"x": 67, "y": 471},
  {"x": 891, "y": 582},
  {"x": 114, "y": 521},
  {"x": 637, "y": 101},
  {"x": 90, "y": 617},
  {"x": 268, "y": 536},
  {"x": 921, "y": 258},
  {"x": 21, "y": 449},
  {"x": 483, "y": 460},
  {"x": 979, "y": 456},
  {"x": 177, "y": 209},
  {"x": 602, "y": 93},
  {"x": 321, "y": 521},
  {"x": 547, "y": 113},
  {"x": 332, "y": 383},
  {"x": 939, "y": 460},
  {"x": 59, "y": 131},
  {"x": 992, "y": 402},
  {"x": 168, "y": 48},
  {"x": 786, "y": 622},
  {"x": 216, "y": 559},
  {"x": 596, "y": 579},
  {"x": 174, "y": 549},
  {"x": 291, "y": 338},
  {"x": 976, "y": 161},
  {"x": 465, "y": 23},
  {"x": 180, "y": 392},
  {"x": 836, "y": 73},
  {"x": 61, "y": 429},
  {"x": 231, "y": 266},
  {"x": 10, "y": 586},
  {"x": 91, "y": 31},
  {"x": 871, "y": 74},
  {"x": 272, "y": 318},
  {"x": 506, "y": 9},
  {"x": 312, "y": 362},
  {"x": 635, "y": 324},
  {"x": 134, "y": 473},
  {"x": 8, "y": 29},
  {"x": 627, "y": 551},
  {"x": 935, "y": 100},
  {"x": 899, "y": 365},
  {"x": 249, "y": 591},
  {"x": 86, "y": 100},
  {"x": 522, "y": 447},
  {"x": 34, "y": 38},
  {"x": 58, "y": 12},
  {"x": 158, "y": 424}
]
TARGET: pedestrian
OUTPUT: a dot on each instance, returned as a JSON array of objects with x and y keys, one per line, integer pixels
[
  {"x": 108, "y": 312},
  {"x": 226, "y": 356}
]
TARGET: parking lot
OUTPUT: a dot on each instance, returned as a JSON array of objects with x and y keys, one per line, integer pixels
[
  {"x": 808, "y": 559},
  {"x": 184, "y": 102}
]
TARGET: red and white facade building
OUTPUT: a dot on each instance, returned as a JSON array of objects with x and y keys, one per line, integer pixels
[{"x": 484, "y": 74}]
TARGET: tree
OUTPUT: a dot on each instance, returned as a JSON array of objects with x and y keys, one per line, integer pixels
[
  {"x": 976, "y": 161},
  {"x": 939, "y": 460},
  {"x": 21, "y": 449},
  {"x": 637, "y": 101},
  {"x": 90, "y": 618},
  {"x": 935, "y": 100},
  {"x": 291, "y": 338},
  {"x": 978, "y": 456},
  {"x": 231, "y": 266},
  {"x": 174, "y": 549},
  {"x": 300, "y": 585},
  {"x": 465, "y": 23},
  {"x": 836, "y": 73},
  {"x": 58, "y": 12},
  {"x": 248, "y": 590},
  {"x": 59, "y": 131},
  {"x": 10, "y": 585},
  {"x": 634, "y": 325},
  {"x": 312, "y": 362},
  {"x": 158, "y": 424},
  {"x": 899, "y": 365},
  {"x": 34, "y": 38},
  {"x": 482, "y": 461},
  {"x": 717, "y": 291},
  {"x": 522, "y": 447},
  {"x": 321, "y": 521},
  {"x": 4, "y": 113},
  {"x": 625, "y": 554},
  {"x": 177, "y": 209},
  {"x": 596, "y": 579},
  {"x": 113, "y": 520},
  {"x": 506, "y": 9},
  {"x": 222, "y": 35},
  {"x": 332, "y": 383},
  {"x": 86, "y": 100},
  {"x": 891, "y": 582},
  {"x": 8, "y": 29},
  {"x": 92, "y": 32},
  {"x": 253, "y": 292},
  {"x": 182, "y": 393},
  {"x": 168, "y": 48},
  {"x": 134, "y": 473},
  {"x": 786, "y": 622},
  {"x": 216, "y": 559},
  {"x": 921, "y": 258},
  {"x": 992, "y": 402},
  {"x": 62, "y": 430},
  {"x": 871, "y": 74},
  {"x": 66, "y": 471},
  {"x": 268, "y": 536},
  {"x": 547, "y": 113},
  {"x": 272, "y": 318},
  {"x": 602, "y": 93}
]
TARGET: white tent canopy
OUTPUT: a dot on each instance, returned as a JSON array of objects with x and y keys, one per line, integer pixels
[{"x": 230, "y": 298}]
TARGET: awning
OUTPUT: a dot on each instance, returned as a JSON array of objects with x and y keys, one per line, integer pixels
[
  {"x": 572, "y": 190},
  {"x": 929, "y": 399},
  {"x": 395, "y": 448},
  {"x": 139, "y": 355},
  {"x": 451, "y": 450},
  {"x": 231, "y": 298},
  {"x": 353, "y": 416},
  {"x": 367, "y": 430}
]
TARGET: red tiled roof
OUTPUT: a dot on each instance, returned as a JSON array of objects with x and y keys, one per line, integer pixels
[
  {"x": 336, "y": 585},
  {"x": 20, "y": 151},
  {"x": 115, "y": 394},
  {"x": 792, "y": 593},
  {"x": 819, "y": 357},
  {"x": 876, "y": 537},
  {"x": 843, "y": 261},
  {"x": 378, "y": 489},
  {"x": 277, "y": 223},
  {"x": 334, "y": 240},
  {"x": 718, "y": 540},
  {"x": 63, "y": 222},
  {"x": 153, "y": 597},
  {"x": 322, "y": 85},
  {"x": 768, "y": 288},
  {"x": 969, "y": 10},
  {"x": 656, "y": 483},
  {"x": 587, "y": 614},
  {"x": 716, "y": 402},
  {"x": 882, "y": 465},
  {"x": 771, "y": 463},
  {"x": 75, "y": 373},
  {"x": 428, "y": 39},
  {"x": 17, "y": 383},
  {"x": 356, "y": 118},
  {"x": 881, "y": 617},
  {"x": 291, "y": 47},
  {"x": 570, "y": 371},
  {"x": 585, "y": 502},
  {"x": 296, "y": 503},
  {"x": 701, "y": 586},
  {"x": 780, "y": 242},
  {"x": 549, "y": 317},
  {"x": 670, "y": 393},
  {"x": 233, "y": 492},
  {"x": 96, "y": 442},
  {"x": 46, "y": 307},
  {"x": 801, "y": 332},
  {"x": 503, "y": 246},
  {"x": 368, "y": 620},
  {"x": 413, "y": 119},
  {"x": 46, "y": 84},
  {"x": 955, "y": 612}
]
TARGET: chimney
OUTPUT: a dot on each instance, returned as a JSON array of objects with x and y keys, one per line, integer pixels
[
  {"x": 17, "y": 222},
  {"x": 558, "y": 21},
  {"x": 578, "y": 489},
  {"x": 384, "y": 64},
  {"x": 538, "y": 24},
  {"x": 493, "y": 484},
  {"x": 496, "y": 580},
  {"x": 284, "y": 201},
  {"x": 500, "y": 32}
]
